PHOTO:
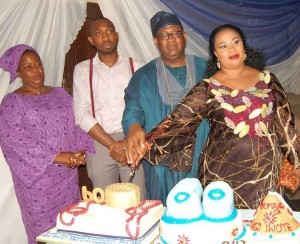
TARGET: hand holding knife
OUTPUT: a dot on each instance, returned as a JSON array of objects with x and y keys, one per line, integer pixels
[{"x": 134, "y": 166}]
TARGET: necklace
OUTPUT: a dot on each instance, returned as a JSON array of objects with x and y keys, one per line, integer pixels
[
  {"x": 35, "y": 91},
  {"x": 168, "y": 83}
]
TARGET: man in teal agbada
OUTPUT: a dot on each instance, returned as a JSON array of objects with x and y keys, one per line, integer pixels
[{"x": 155, "y": 90}]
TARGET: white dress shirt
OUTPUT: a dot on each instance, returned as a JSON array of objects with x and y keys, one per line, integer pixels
[{"x": 108, "y": 90}]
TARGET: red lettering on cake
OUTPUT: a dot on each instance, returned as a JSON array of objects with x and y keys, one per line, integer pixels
[
  {"x": 289, "y": 227},
  {"x": 273, "y": 206},
  {"x": 255, "y": 226},
  {"x": 235, "y": 231},
  {"x": 270, "y": 228},
  {"x": 279, "y": 228},
  {"x": 280, "y": 205}
]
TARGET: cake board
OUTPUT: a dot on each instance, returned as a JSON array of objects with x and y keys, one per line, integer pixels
[
  {"x": 61, "y": 237},
  {"x": 54, "y": 236}
]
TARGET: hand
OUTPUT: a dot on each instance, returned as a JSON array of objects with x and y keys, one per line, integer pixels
[
  {"x": 70, "y": 159},
  {"x": 137, "y": 158},
  {"x": 80, "y": 153},
  {"x": 296, "y": 175},
  {"x": 116, "y": 151},
  {"x": 80, "y": 156},
  {"x": 135, "y": 144}
]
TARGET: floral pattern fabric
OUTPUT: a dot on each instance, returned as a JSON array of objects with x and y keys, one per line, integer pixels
[
  {"x": 251, "y": 132},
  {"x": 246, "y": 112}
]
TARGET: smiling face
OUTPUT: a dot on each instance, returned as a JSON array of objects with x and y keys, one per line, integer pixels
[
  {"x": 171, "y": 49},
  {"x": 31, "y": 70},
  {"x": 103, "y": 36},
  {"x": 229, "y": 49}
]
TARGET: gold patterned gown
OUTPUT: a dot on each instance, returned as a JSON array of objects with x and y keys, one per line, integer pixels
[{"x": 251, "y": 132}]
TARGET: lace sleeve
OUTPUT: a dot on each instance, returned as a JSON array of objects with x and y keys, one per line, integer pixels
[
  {"x": 287, "y": 133},
  {"x": 173, "y": 139}
]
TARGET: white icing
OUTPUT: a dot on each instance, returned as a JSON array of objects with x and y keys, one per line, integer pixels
[
  {"x": 218, "y": 200},
  {"x": 112, "y": 222},
  {"x": 187, "y": 195}
]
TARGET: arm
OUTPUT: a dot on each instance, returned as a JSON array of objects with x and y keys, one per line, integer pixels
[
  {"x": 173, "y": 139},
  {"x": 98, "y": 134},
  {"x": 133, "y": 122},
  {"x": 83, "y": 114},
  {"x": 27, "y": 156},
  {"x": 288, "y": 135},
  {"x": 118, "y": 148}
]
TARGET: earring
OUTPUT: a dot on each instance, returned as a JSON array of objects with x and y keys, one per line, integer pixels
[
  {"x": 218, "y": 64},
  {"x": 245, "y": 56}
]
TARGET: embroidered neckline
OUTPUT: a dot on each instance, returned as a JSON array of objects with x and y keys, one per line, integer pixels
[
  {"x": 247, "y": 112},
  {"x": 263, "y": 78}
]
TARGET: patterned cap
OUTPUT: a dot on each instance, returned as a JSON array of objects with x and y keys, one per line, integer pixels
[
  {"x": 9, "y": 61},
  {"x": 162, "y": 19}
]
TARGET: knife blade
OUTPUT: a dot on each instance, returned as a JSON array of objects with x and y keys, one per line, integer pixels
[{"x": 132, "y": 173}]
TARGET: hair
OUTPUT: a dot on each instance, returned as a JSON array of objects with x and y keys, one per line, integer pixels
[
  {"x": 95, "y": 20},
  {"x": 255, "y": 57}
]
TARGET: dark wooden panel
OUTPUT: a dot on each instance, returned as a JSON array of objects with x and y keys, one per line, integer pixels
[{"x": 80, "y": 49}]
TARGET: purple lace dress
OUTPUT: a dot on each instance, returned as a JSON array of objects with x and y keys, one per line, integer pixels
[{"x": 33, "y": 129}]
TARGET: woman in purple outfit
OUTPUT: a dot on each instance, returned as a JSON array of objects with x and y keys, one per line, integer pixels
[{"x": 40, "y": 142}]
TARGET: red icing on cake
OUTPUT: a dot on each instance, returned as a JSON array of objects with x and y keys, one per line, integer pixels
[
  {"x": 75, "y": 210},
  {"x": 137, "y": 213}
]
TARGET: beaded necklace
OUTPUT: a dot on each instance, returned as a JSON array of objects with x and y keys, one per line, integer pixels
[{"x": 168, "y": 83}]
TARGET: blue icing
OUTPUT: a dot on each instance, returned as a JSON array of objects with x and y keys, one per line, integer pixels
[
  {"x": 181, "y": 197},
  {"x": 216, "y": 194},
  {"x": 270, "y": 235},
  {"x": 162, "y": 240},
  {"x": 240, "y": 236},
  {"x": 172, "y": 220}
]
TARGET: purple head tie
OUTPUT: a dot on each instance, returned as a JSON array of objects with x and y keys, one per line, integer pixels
[{"x": 9, "y": 61}]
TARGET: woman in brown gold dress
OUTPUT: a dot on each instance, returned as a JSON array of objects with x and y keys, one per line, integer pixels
[{"x": 252, "y": 126}]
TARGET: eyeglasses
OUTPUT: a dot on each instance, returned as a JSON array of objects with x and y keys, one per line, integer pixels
[{"x": 166, "y": 35}]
